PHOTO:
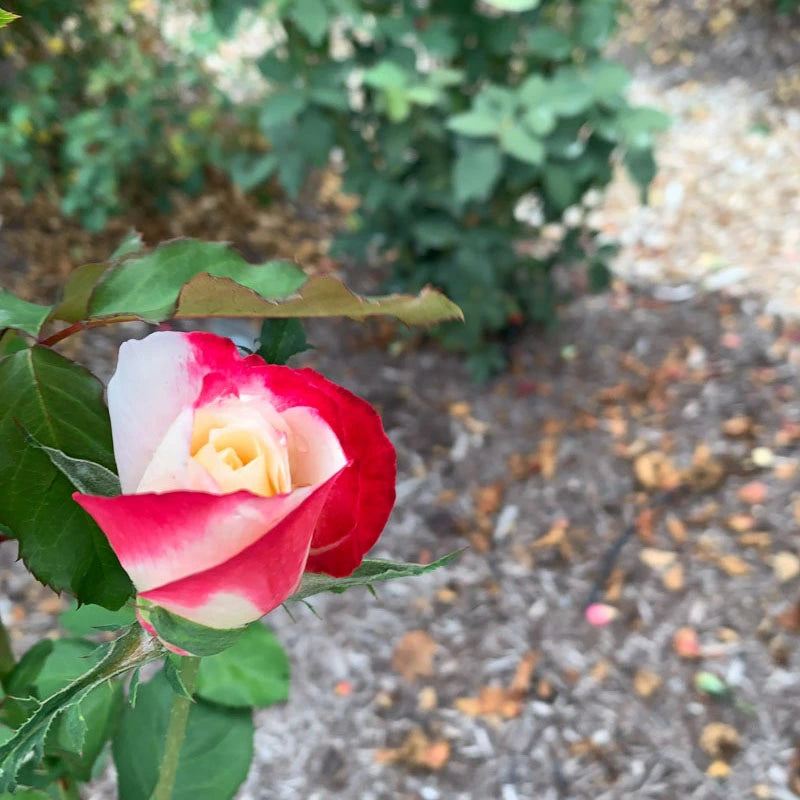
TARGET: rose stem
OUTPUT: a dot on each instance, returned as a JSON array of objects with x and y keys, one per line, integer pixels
[
  {"x": 176, "y": 729},
  {"x": 6, "y": 655}
]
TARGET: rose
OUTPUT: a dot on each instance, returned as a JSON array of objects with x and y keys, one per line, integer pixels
[{"x": 237, "y": 476}]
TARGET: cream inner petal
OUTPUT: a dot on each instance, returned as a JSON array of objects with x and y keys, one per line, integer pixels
[{"x": 242, "y": 449}]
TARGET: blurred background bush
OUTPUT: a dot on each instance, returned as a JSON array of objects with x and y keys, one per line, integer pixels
[{"x": 474, "y": 133}]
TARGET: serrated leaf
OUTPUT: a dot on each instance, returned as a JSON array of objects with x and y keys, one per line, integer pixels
[
  {"x": 281, "y": 339},
  {"x": 320, "y": 296},
  {"x": 173, "y": 677},
  {"x": 86, "y": 476},
  {"x": 87, "y": 619},
  {"x": 131, "y": 243},
  {"x": 61, "y": 405},
  {"x": 74, "y": 304},
  {"x": 253, "y": 672},
  {"x": 133, "y": 649},
  {"x": 6, "y": 17},
  {"x": 20, "y": 314},
  {"x": 214, "y": 758},
  {"x": 133, "y": 687},
  {"x": 147, "y": 287},
  {"x": 370, "y": 571},
  {"x": 198, "y": 640}
]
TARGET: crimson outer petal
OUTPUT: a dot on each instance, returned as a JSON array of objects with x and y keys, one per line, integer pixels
[
  {"x": 360, "y": 502},
  {"x": 239, "y": 589}
]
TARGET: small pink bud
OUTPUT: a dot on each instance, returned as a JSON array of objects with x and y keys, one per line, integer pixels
[{"x": 600, "y": 614}]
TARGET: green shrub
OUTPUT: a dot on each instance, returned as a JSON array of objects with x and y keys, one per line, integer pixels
[
  {"x": 96, "y": 105},
  {"x": 447, "y": 114}
]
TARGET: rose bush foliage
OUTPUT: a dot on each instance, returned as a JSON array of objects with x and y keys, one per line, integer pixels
[{"x": 236, "y": 476}]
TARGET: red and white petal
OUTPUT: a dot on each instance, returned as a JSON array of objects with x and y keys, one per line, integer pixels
[
  {"x": 156, "y": 378},
  {"x": 252, "y": 583},
  {"x": 161, "y": 538}
]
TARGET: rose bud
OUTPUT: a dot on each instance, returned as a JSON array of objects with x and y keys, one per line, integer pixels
[{"x": 237, "y": 476}]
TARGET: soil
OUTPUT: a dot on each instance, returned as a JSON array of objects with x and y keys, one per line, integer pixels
[{"x": 644, "y": 456}]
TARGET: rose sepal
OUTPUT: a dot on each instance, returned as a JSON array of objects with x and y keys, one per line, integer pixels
[{"x": 182, "y": 636}]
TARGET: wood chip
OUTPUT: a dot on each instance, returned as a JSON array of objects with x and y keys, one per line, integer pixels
[
  {"x": 737, "y": 426},
  {"x": 677, "y": 529},
  {"x": 413, "y": 655},
  {"x": 654, "y": 470}
]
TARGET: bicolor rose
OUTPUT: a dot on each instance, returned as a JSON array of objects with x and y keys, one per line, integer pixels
[{"x": 237, "y": 477}]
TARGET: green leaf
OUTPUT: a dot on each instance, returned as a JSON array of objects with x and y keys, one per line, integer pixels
[
  {"x": 214, "y": 759},
  {"x": 371, "y": 571},
  {"x": 280, "y": 108},
  {"x": 132, "y": 243},
  {"x": 249, "y": 171},
  {"x": 549, "y": 43},
  {"x": 61, "y": 405},
  {"x": 253, "y": 672},
  {"x": 474, "y": 123},
  {"x": 11, "y": 342},
  {"x": 311, "y": 17},
  {"x": 386, "y": 75},
  {"x": 88, "y": 619},
  {"x": 476, "y": 171},
  {"x": 320, "y": 296},
  {"x": 20, "y": 314},
  {"x": 6, "y": 17},
  {"x": 147, "y": 287},
  {"x": 641, "y": 166},
  {"x": 198, "y": 640},
  {"x": 86, "y": 476},
  {"x": 281, "y": 339},
  {"x": 74, "y": 305},
  {"x": 133, "y": 649},
  {"x": 517, "y": 142},
  {"x": 513, "y": 5},
  {"x": 607, "y": 79},
  {"x": 173, "y": 677}
]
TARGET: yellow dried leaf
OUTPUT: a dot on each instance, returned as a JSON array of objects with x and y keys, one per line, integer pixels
[
  {"x": 719, "y": 740},
  {"x": 655, "y": 558},
  {"x": 786, "y": 566}
]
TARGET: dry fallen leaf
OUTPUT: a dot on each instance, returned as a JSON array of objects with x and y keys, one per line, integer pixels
[
  {"x": 655, "y": 558},
  {"x": 645, "y": 682},
  {"x": 740, "y": 522},
  {"x": 418, "y": 751},
  {"x": 427, "y": 699},
  {"x": 488, "y": 499},
  {"x": 548, "y": 456},
  {"x": 734, "y": 565},
  {"x": 498, "y": 701},
  {"x": 719, "y": 740},
  {"x": 677, "y": 529},
  {"x": 718, "y": 769},
  {"x": 737, "y": 426},
  {"x": 654, "y": 470},
  {"x": 413, "y": 655},
  {"x": 673, "y": 578}
]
